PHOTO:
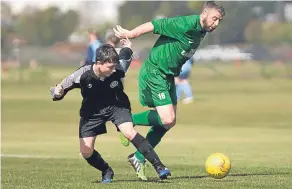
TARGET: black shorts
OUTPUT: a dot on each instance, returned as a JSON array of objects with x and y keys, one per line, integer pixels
[{"x": 96, "y": 124}]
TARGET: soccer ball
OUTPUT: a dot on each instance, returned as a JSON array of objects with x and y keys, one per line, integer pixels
[{"x": 218, "y": 165}]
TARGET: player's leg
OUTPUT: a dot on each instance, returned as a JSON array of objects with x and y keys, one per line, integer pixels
[
  {"x": 163, "y": 117},
  {"x": 148, "y": 79},
  {"x": 178, "y": 88},
  {"x": 143, "y": 146},
  {"x": 153, "y": 91},
  {"x": 167, "y": 114},
  {"x": 88, "y": 130},
  {"x": 184, "y": 83},
  {"x": 123, "y": 120},
  {"x": 187, "y": 90}
]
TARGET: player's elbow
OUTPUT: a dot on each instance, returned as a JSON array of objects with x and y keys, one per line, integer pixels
[{"x": 125, "y": 53}]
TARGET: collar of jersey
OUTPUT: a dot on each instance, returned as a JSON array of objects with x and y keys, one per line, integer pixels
[
  {"x": 198, "y": 21},
  {"x": 93, "y": 74}
]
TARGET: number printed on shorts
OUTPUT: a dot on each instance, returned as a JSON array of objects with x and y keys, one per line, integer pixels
[{"x": 161, "y": 96}]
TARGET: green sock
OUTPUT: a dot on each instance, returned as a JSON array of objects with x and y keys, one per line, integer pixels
[
  {"x": 157, "y": 131},
  {"x": 154, "y": 136},
  {"x": 147, "y": 118}
]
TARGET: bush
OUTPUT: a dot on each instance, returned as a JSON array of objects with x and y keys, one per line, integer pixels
[{"x": 269, "y": 33}]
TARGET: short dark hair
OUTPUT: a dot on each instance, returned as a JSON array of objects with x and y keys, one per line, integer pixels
[
  {"x": 213, "y": 5},
  {"x": 107, "y": 53}
]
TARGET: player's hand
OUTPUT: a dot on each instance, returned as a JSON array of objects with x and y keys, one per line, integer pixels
[
  {"x": 123, "y": 33},
  {"x": 59, "y": 91},
  {"x": 126, "y": 43}
]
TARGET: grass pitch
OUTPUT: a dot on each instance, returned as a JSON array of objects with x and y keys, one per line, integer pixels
[{"x": 236, "y": 112}]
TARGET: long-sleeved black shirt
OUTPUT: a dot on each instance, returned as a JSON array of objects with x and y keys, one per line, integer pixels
[{"x": 99, "y": 93}]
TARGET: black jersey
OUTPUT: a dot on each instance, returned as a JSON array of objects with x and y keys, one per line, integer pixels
[{"x": 98, "y": 93}]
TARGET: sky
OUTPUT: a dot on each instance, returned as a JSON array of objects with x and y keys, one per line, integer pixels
[{"x": 109, "y": 11}]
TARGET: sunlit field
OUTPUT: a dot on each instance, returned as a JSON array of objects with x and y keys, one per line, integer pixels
[{"x": 242, "y": 111}]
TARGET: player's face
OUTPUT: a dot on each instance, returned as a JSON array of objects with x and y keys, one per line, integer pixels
[
  {"x": 211, "y": 20},
  {"x": 107, "y": 68}
]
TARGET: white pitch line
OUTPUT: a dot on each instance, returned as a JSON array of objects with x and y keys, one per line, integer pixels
[{"x": 34, "y": 156}]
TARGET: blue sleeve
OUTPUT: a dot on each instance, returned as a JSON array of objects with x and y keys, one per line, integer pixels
[
  {"x": 91, "y": 51},
  {"x": 88, "y": 55}
]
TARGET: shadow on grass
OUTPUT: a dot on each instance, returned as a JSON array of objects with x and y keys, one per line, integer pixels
[
  {"x": 156, "y": 180},
  {"x": 230, "y": 175},
  {"x": 150, "y": 180}
]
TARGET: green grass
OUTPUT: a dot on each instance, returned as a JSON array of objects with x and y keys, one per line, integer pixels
[{"x": 237, "y": 112}]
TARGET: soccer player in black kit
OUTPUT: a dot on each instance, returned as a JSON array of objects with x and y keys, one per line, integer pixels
[{"x": 104, "y": 100}]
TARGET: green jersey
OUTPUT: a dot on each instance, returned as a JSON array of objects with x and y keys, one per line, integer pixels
[{"x": 178, "y": 41}]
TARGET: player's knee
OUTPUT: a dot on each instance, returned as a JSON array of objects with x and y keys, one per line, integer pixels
[
  {"x": 85, "y": 151},
  {"x": 128, "y": 130},
  {"x": 130, "y": 134},
  {"x": 168, "y": 122},
  {"x": 169, "y": 126}
]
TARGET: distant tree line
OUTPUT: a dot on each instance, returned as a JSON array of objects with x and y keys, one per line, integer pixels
[
  {"x": 40, "y": 27},
  {"x": 242, "y": 19}
]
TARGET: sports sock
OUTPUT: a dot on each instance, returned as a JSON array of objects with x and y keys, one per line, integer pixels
[
  {"x": 146, "y": 149},
  {"x": 154, "y": 136},
  {"x": 147, "y": 118},
  {"x": 96, "y": 161}
]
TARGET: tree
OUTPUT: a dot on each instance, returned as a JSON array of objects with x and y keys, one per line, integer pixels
[
  {"x": 195, "y": 6},
  {"x": 275, "y": 33},
  {"x": 253, "y": 32},
  {"x": 68, "y": 23},
  {"x": 164, "y": 9},
  {"x": 232, "y": 29},
  {"x": 134, "y": 13},
  {"x": 6, "y": 27},
  {"x": 45, "y": 27}
]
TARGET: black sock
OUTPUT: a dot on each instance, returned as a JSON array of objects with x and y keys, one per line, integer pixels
[
  {"x": 146, "y": 149},
  {"x": 96, "y": 161}
]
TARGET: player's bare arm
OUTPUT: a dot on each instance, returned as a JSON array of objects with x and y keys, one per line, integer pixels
[{"x": 136, "y": 32}]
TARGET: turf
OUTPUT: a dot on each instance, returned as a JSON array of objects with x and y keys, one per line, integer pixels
[{"x": 236, "y": 112}]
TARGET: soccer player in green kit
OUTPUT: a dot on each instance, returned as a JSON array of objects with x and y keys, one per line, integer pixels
[{"x": 178, "y": 41}]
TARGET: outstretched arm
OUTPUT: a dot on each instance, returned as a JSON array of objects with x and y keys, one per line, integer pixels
[
  {"x": 136, "y": 32},
  {"x": 68, "y": 83}
]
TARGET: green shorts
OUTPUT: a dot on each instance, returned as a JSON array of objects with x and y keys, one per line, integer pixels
[{"x": 156, "y": 88}]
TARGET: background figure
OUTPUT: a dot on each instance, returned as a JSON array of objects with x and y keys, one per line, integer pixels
[
  {"x": 182, "y": 83},
  {"x": 94, "y": 43},
  {"x": 111, "y": 39}
]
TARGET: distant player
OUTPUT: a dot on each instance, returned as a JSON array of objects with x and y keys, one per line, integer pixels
[
  {"x": 183, "y": 85},
  {"x": 94, "y": 43},
  {"x": 104, "y": 100},
  {"x": 111, "y": 39},
  {"x": 178, "y": 41}
]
